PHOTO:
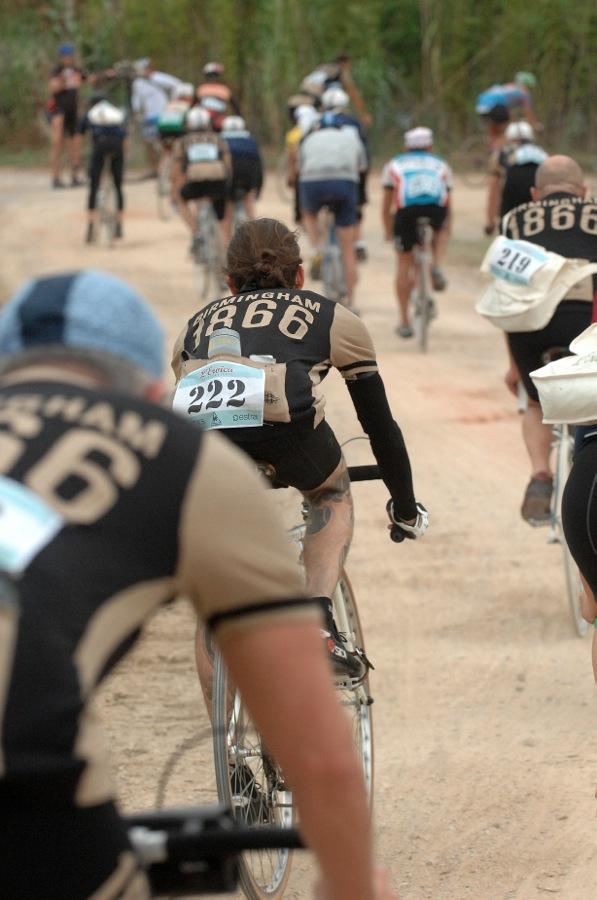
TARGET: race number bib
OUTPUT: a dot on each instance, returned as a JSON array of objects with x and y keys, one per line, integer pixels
[
  {"x": 27, "y": 524},
  {"x": 516, "y": 261},
  {"x": 422, "y": 185},
  {"x": 222, "y": 395},
  {"x": 198, "y": 153}
]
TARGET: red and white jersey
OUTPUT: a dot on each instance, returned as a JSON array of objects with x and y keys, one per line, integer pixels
[{"x": 418, "y": 178}]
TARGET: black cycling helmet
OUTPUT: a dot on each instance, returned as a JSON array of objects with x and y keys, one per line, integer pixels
[{"x": 499, "y": 114}]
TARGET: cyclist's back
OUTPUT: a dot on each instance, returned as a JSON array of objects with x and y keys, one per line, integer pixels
[{"x": 516, "y": 164}]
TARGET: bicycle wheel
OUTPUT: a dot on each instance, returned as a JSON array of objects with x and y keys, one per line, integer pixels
[
  {"x": 470, "y": 160},
  {"x": 356, "y": 700},
  {"x": 207, "y": 256},
  {"x": 251, "y": 784},
  {"x": 284, "y": 192},
  {"x": 421, "y": 303},
  {"x": 163, "y": 186},
  {"x": 107, "y": 210},
  {"x": 574, "y": 588}
]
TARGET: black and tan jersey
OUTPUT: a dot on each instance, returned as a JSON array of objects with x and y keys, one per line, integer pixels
[
  {"x": 296, "y": 336},
  {"x": 563, "y": 223},
  {"x": 142, "y": 507},
  {"x": 204, "y": 156}
]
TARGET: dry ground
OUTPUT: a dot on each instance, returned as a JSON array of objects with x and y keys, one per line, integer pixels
[{"x": 485, "y": 718}]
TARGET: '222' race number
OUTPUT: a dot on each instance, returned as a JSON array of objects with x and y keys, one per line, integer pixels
[{"x": 215, "y": 393}]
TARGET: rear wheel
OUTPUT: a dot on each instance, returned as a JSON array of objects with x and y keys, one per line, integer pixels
[
  {"x": 252, "y": 785},
  {"x": 107, "y": 210},
  {"x": 574, "y": 587}
]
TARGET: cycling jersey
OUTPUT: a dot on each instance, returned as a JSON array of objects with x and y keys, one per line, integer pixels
[
  {"x": 323, "y": 77},
  {"x": 107, "y": 122},
  {"x": 216, "y": 96},
  {"x": 171, "y": 122},
  {"x": 150, "y": 94},
  {"x": 418, "y": 178},
  {"x": 241, "y": 143},
  {"x": 511, "y": 95},
  {"x": 204, "y": 156},
  {"x": 110, "y": 505},
  {"x": 72, "y": 76},
  {"x": 516, "y": 165},
  {"x": 332, "y": 154},
  {"x": 344, "y": 120}
]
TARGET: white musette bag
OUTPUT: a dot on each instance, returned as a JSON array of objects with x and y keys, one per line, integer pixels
[
  {"x": 528, "y": 282},
  {"x": 568, "y": 387}
]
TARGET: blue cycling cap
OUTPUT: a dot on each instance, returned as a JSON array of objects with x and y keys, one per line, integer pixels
[
  {"x": 66, "y": 50},
  {"x": 83, "y": 309}
]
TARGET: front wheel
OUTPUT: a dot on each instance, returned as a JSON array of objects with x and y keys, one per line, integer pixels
[
  {"x": 251, "y": 784},
  {"x": 356, "y": 700}
]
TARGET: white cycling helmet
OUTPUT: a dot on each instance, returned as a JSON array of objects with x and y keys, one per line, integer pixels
[
  {"x": 519, "y": 131},
  {"x": 334, "y": 98},
  {"x": 418, "y": 138},
  {"x": 184, "y": 90},
  {"x": 198, "y": 119},
  {"x": 233, "y": 123}
]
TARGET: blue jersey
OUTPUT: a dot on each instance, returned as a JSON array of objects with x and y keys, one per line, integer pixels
[
  {"x": 418, "y": 178},
  {"x": 510, "y": 95},
  {"x": 240, "y": 143}
]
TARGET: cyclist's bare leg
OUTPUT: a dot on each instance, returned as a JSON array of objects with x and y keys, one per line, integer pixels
[
  {"x": 188, "y": 213},
  {"x": 405, "y": 281},
  {"x": 249, "y": 201},
  {"x": 346, "y": 239},
  {"x": 439, "y": 241},
  {"x": 537, "y": 438},
  {"x": 329, "y": 532},
  {"x": 56, "y": 143},
  {"x": 310, "y": 223},
  {"x": 204, "y": 659},
  {"x": 225, "y": 227}
]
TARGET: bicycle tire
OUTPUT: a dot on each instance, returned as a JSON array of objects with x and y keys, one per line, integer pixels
[
  {"x": 574, "y": 587},
  {"x": 207, "y": 258},
  {"x": 357, "y": 701},
  {"x": 239, "y": 757},
  {"x": 106, "y": 205},
  {"x": 283, "y": 191},
  {"x": 163, "y": 186},
  {"x": 421, "y": 306}
]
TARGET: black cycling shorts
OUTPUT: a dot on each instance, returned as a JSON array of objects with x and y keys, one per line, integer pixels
[
  {"x": 247, "y": 175},
  {"x": 70, "y": 121},
  {"x": 301, "y": 460},
  {"x": 56, "y": 851},
  {"x": 405, "y": 223},
  {"x": 579, "y": 512},
  {"x": 210, "y": 190},
  {"x": 527, "y": 347}
]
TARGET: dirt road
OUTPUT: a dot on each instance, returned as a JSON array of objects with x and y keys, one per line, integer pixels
[{"x": 485, "y": 719}]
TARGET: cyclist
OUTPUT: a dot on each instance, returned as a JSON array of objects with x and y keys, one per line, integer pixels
[
  {"x": 150, "y": 94},
  {"x": 107, "y": 125},
  {"x": 247, "y": 167},
  {"x": 296, "y": 335},
  {"x": 64, "y": 84},
  {"x": 334, "y": 103},
  {"x": 171, "y": 123},
  {"x": 303, "y": 117},
  {"x": 331, "y": 159},
  {"x": 112, "y": 505},
  {"x": 215, "y": 95},
  {"x": 201, "y": 171},
  {"x": 560, "y": 219},
  {"x": 515, "y": 95},
  {"x": 417, "y": 183},
  {"x": 512, "y": 172},
  {"x": 338, "y": 73}
]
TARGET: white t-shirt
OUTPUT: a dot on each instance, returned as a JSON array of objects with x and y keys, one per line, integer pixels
[
  {"x": 151, "y": 94},
  {"x": 332, "y": 154}
]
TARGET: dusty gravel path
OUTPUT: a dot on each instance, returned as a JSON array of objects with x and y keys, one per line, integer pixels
[{"x": 485, "y": 719}]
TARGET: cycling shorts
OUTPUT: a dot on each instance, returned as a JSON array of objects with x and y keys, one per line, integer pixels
[
  {"x": 405, "y": 223},
  {"x": 527, "y": 347},
  {"x": 247, "y": 175},
  {"x": 341, "y": 196},
  {"x": 301, "y": 460},
  {"x": 70, "y": 120},
  {"x": 57, "y": 851},
  {"x": 579, "y": 511},
  {"x": 363, "y": 198},
  {"x": 216, "y": 191}
]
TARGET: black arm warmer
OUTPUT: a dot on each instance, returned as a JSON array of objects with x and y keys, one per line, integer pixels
[{"x": 371, "y": 404}]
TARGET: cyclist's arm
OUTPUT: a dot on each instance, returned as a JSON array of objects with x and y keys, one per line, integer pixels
[
  {"x": 494, "y": 191},
  {"x": 353, "y": 354},
  {"x": 356, "y": 98},
  {"x": 388, "y": 197},
  {"x": 237, "y": 564}
]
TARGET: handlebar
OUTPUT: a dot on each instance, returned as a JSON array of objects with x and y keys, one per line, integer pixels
[
  {"x": 196, "y": 849},
  {"x": 364, "y": 473}
]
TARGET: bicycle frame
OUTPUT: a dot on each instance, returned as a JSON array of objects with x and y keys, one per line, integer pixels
[
  {"x": 420, "y": 298},
  {"x": 334, "y": 278}
]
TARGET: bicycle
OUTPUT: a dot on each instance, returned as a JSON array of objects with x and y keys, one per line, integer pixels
[
  {"x": 107, "y": 206},
  {"x": 196, "y": 850},
  {"x": 206, "y": 252},
  {"x": 164, "y": 180},
  {"x": 332, "y": 267},
  {"x": 247, "y": 778},
  {"x": 422, "y": 302},
  {"x": 563, "y": 446}
]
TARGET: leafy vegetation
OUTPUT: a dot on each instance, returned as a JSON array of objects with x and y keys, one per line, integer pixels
[{"x": 415, "y": 60}]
